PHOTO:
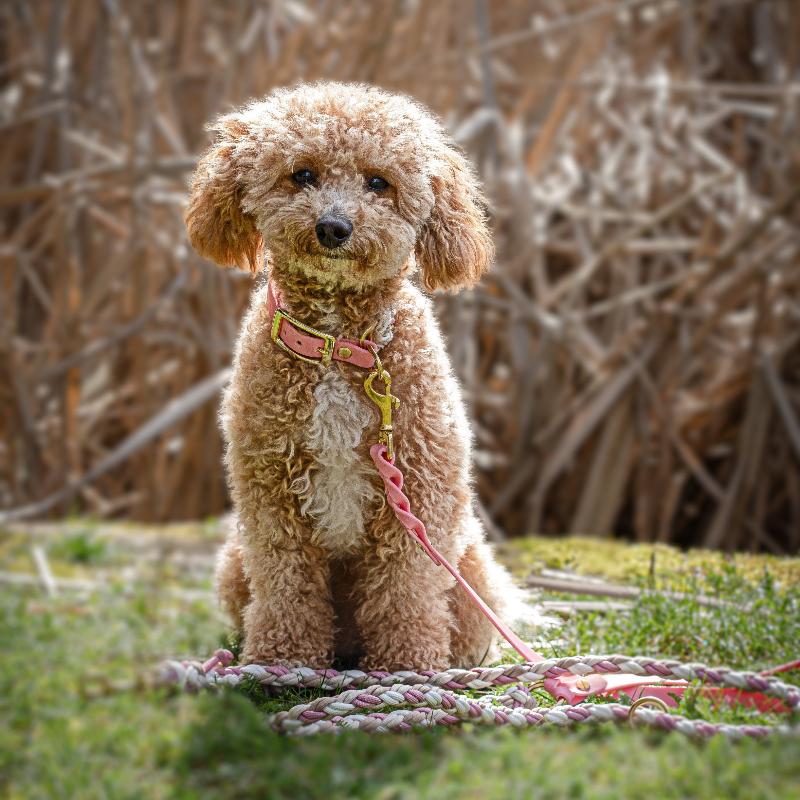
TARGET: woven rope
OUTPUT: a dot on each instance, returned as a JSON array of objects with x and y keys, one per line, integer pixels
[
  {"x": 434, "y": 697},
  {"x": 407, "y": 719}
]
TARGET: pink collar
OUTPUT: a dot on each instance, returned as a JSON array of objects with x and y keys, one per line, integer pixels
[{"x": 310, "y": 344}]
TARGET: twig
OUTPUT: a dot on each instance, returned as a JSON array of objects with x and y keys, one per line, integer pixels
[
  {"x": 782, "y": 403},
  {"x": 45, "y": 575},
  {"x": 83, "y": 585},
  {"x": 571, "y": 607},
  {"x": 592, "y": 587}
]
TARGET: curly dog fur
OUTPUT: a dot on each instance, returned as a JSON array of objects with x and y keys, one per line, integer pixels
[{"x": 317, "y": 566}]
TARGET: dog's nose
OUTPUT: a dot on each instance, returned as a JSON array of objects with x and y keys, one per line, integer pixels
[{"x": 333, "y": 231}]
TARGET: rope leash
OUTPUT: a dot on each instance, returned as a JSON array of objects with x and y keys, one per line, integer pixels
[
  {"x": 434, "y": 697},
  {"x": 408, "y": 719}
]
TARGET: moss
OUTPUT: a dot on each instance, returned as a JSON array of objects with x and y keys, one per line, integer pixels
[{"x": 630, "y": 563}]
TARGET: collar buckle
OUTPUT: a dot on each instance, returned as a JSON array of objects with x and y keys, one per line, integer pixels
[{"x": 326, "y": 351}]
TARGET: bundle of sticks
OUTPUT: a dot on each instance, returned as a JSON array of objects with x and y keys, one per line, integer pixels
[{"x": 632, "y": 364}]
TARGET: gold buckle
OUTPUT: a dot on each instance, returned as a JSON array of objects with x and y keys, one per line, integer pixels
[{"x": 326, "y": 351}]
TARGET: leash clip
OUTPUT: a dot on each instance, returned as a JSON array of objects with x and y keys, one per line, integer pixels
[{"x": 385, "y": 402}]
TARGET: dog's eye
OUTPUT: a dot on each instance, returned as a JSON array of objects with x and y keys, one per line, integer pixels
[
  {"x": 377, "y": 184},
  {"x": 304, "y": 177}
]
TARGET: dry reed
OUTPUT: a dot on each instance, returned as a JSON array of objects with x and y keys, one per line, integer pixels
[{"x": 633, "y": 363}]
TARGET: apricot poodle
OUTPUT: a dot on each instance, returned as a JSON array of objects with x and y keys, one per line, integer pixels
[{"x": 337, "y": 194}]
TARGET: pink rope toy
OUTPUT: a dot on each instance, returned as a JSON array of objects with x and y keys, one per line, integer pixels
[{"x": 371, "y": 701}]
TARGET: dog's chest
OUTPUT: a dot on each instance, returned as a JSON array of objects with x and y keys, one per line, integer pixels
[{"x": 340, "y": 489}]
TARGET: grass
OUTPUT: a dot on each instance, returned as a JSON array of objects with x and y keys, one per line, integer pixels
[{"x": 67, "y": 735}]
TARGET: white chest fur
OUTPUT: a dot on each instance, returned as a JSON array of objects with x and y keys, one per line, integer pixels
[{"x": 340, "y": 490}]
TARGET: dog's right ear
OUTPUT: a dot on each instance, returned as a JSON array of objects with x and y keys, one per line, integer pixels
[{"x": 218, "y": 226}]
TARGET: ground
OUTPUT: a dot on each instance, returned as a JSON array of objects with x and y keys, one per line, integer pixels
[{"x": 78, "y": 722}]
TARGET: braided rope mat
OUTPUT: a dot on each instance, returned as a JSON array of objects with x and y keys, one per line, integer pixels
[{"x": 370, "y": 701}]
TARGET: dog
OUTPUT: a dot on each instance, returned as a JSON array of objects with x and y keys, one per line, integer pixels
[{"x": 338, "y": 194}]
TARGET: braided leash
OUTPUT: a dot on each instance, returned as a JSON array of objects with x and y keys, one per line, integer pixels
[
  {"x": 434, "y": 699},
  {"x": 408, "y": 719}
]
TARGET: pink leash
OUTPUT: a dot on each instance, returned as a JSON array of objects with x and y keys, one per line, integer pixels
[{"x": 400, "y": 504}]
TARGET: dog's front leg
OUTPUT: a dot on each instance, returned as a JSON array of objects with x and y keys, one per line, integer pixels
[
  {"x": 403, "y": 615},
  {"x": 289, "y": 619}
]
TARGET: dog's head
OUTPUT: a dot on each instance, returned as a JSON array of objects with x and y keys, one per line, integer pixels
[{"x": 342, "y": 183}]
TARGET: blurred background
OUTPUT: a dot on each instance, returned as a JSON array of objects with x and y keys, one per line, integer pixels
[{"x": 632, "y": 364}]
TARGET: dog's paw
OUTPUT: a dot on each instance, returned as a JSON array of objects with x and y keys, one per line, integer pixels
[
  {"x": 256, "y": 655},
  {"x": 402, "y": 662}
]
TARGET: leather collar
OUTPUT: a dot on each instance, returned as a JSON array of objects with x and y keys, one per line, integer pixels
[{"x": 310, "y": 344}]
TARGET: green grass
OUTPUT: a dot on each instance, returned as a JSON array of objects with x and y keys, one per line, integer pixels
[{"x": 65, "y": 734}]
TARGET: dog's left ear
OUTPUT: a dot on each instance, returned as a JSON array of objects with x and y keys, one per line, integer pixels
[{"x": 455, "y": 247}]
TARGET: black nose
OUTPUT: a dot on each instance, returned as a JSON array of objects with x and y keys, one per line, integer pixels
[{"x": 333, "y": 231}]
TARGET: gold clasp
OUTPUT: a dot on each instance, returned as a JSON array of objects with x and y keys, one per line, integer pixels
[{"x": 385, "y": 402}]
